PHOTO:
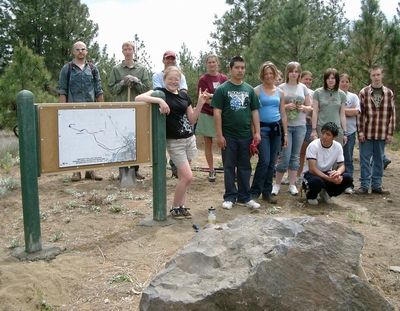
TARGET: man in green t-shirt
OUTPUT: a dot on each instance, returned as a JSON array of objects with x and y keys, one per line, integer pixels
[{"x": 235, "y": 109}]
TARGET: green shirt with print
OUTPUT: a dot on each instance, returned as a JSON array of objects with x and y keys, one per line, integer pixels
[{"x": 236, "y": 103}]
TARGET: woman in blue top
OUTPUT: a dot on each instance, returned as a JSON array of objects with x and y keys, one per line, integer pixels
[{"x": 273, "y": 125}]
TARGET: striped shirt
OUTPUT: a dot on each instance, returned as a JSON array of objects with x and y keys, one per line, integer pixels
[{"x": 377, "y": 120}]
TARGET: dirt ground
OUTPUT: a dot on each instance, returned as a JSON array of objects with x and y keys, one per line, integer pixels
[{"x": 109, "y": 259}]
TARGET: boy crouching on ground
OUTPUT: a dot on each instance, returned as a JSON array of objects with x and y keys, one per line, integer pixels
[{"x": 322, "y": 154}]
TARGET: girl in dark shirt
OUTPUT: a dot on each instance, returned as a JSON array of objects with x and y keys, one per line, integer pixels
[{"x": 181, "y": 142}]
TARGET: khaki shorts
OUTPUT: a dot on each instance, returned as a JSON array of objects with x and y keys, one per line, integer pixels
[{"x": 182, "y": 150}]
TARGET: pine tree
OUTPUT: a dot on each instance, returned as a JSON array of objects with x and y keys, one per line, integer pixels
[
  {"x": 236, "y": 27},
  {"x": 49, "y": 28},
  {"x": 368, "y": 39},
  {"x": 26, "y": 72},
  {"x": 141, "y": 54},
  {"x": 5, "y": 40},
  {"x": 306, "y": 31}
]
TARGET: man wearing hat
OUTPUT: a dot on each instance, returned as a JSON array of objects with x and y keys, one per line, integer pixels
[{"x": 169, "y": 59}]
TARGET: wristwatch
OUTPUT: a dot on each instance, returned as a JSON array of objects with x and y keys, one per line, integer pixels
[{"x": 346, "y": 133}]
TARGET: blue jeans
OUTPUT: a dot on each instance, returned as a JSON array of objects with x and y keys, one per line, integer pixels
[
  {"x": 371, "y": 172},
  {"x": 348, "y": 150},
  {"x": 289, "y": 157},
  {"x": 236, "y": 159},
  {"x": 264, "y": 173}
]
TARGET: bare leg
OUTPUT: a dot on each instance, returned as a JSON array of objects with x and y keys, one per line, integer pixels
[
  {"x": 185, "y": 176},
  {"x": 208, "y": 144},
  {"x": 302, "y": 157},
  {"x": 278, "y": 178},
  {"x": 292, "y": 177}
]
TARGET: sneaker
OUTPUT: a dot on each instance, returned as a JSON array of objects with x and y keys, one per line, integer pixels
[
  {"x": 385, "y": 164},
  {"x": 139, "y": 176},
  {"x": 184, "y": 211},
  {"x": 269, "y": 199},
  {"x": 176, "y": 213},
  {"x": 251, "y": 203},
  {"x": 312, "y": 201},
  {"x": 293, "y": 190},
  {"x": 380, "y": 190},
  {"x": 76, "y": 176},
  {"x": 212, "y": 176},
  {"x": 285, "y": 181},
  {"x": 361, "y": 190},
  {"x": 325, "y": 197},
  {"x": 275, "y": 189},
  {"x": 299, "y": 180},
  {"x": 348, "y": 190},
  {"x": 227, "y": 204}
]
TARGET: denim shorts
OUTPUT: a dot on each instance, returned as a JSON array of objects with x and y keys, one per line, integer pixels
[{"x": 308, "y": 133}]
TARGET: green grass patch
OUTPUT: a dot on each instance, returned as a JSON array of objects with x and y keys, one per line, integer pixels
[
  {"x": 7, "y": 185},
  {"x": 395, "y": 145},
  {"x": 8, "y": 144}
]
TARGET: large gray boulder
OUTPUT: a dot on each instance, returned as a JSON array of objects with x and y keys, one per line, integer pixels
[{"x": 257, "y": 263}]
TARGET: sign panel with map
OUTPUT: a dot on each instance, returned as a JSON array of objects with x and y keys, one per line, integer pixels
[{"x": 96, "y": 136}]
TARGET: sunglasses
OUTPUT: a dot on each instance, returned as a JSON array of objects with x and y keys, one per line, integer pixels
[{"x": 80, "y": 50}]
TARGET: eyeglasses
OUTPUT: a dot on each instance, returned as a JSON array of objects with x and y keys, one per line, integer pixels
[
  {"x": 173, "y": 79},
  {"x": 80, "y": 50}
]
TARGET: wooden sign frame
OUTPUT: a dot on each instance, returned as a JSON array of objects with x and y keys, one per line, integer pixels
[{"x": 49, "y": 141}]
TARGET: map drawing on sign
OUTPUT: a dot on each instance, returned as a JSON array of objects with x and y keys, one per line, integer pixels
[{"x": 96, "y": 136}]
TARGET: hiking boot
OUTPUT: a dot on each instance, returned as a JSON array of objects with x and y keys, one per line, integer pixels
[
  {"x": 176, "y": 213},
  {"x": 361, "y": 190},
  {"x": 139, "y": 176},
  {"x": 76, "y": 176},
  {"x": 293, "y": 190},
  {"x": 325, "y": 197},
  {"x": 385, "y": 164},
  {"x": 269, "y": 199},
  {"x": 275, "y": 189},
  {"x": 92, "y": 175},
  {"x": 212, "y": 176},
  {"x": 380, "y": 190},
  {"x": 251, "y": 203},
  {"x": 185, "y": 212},
  {"x": 227, "y": 204}
]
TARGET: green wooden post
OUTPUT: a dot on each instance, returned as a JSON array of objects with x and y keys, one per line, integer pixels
[
  {"x": 159, "y": 160},
  {"x": 27, "y": 127}
]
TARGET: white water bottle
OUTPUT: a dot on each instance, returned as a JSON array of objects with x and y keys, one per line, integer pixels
[{"x": 212, "y": 216}]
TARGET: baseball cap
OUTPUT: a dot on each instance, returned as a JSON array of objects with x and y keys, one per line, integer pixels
[{"x": 169, "y": 54}]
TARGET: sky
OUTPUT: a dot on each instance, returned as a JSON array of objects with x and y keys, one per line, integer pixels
[{"x": 166, "y": 24}]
